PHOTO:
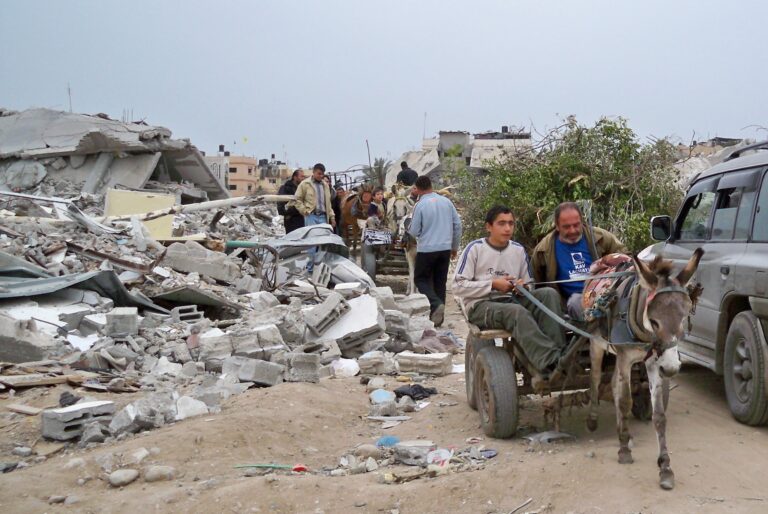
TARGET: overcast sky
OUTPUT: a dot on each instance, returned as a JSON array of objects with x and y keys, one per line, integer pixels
[{"x": 314, "y": 80}]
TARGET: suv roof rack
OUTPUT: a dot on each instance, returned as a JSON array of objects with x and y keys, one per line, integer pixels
[{"x": 762, "y": 145}]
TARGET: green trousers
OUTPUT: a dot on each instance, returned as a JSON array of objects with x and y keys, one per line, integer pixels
[{"x": 540, "y": 337}]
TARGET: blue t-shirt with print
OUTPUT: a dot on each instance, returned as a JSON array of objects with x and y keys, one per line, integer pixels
[{"x": 572, "y": 260}]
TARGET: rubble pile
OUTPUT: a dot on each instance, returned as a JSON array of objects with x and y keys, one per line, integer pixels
[{"x": 111, "y": 282}]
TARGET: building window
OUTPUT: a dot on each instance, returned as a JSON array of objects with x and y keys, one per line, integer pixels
[
  {"x": 250, "y": 170},
  {"x": 250, "y": 187},
  {"x": 233, "y": 170},
  {"x": 272, "y": 181},
  {"x": 233, "y": 187}
]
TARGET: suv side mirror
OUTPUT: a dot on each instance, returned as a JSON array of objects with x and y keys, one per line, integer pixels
[{"x": 661, "y": 228}]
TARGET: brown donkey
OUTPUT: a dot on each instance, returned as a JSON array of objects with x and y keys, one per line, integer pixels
[{"x": 667, "y": 305}]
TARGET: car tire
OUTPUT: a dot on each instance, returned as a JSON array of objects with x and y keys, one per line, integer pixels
[
  {"x": 745, "y": 370},
  {"x": 473, "y": 346},
  {"x": 496, "y": 389}
]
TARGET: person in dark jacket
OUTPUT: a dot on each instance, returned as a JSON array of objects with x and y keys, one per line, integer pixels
[
  {"x": 407, "y": 176},
  {"x": 292, "y": 219},
  {"x": 336, "y": 204}
]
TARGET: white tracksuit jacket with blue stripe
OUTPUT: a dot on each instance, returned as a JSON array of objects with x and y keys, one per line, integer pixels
[{"x": 480, "y": 263}]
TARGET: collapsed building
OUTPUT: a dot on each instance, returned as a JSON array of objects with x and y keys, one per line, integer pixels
[{"x": 115, "y": 277}]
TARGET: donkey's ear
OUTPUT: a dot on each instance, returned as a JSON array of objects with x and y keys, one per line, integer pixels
[
  {"x": 647, "y": 277},
  {"x": 685, "y": 275}
]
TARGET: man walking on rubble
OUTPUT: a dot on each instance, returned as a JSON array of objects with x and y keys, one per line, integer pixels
[
  {"x": 483, "y": 287},
  {"x": 292, "y": 218},
  {"x": 568, "y": 251},
  {"x": 437, "y": 228},
  {"x": 313, "y": 198},
  {"x": 313, "y": 201}
]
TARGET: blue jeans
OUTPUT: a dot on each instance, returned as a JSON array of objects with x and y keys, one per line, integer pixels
[{"x": 313, "y": 219}]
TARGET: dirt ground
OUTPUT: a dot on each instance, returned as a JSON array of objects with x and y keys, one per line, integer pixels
[{"x": 719, "y": 464}]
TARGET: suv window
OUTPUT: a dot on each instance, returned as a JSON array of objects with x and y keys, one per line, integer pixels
[
  {"x": 725, "y": 213},
  {"x": 760, "y": 226},
  {"x": 697, "y": 212}
]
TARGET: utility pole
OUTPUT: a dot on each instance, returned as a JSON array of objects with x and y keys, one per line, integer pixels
[
  {"x": 69, "y": 93},
  {"x": 424, "y": 133}
]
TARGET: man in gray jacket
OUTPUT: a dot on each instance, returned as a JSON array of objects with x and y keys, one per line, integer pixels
[
  {"x": 484, "y": 278},
  {"x": 437, "y": 228}
]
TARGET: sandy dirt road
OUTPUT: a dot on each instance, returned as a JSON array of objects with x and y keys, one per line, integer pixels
[{"x": 720, "y": 465}]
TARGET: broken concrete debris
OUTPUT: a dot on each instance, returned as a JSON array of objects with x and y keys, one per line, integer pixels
[{"x": 115, "y": 279}]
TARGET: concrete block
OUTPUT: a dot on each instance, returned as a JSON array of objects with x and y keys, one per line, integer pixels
[
  {"x": 432, "y": 363},
  {"x": 321, "y": 274},
  {"x": 261, "y": 372},
  {"x": 321, "y": 317},
  {"x": 385, "y": 296},
  {"x": 21, "y": 341},
  {"x": 388, "y": 408},
  {"x": 262, "y": 300},
  {"x": 69, "y": 422},
  {"x": 259, "y": 342},
  {"x": 186, "y": 314},
  {"x": 396, "y": 322},
  {"x": 413, "y": 305},
  {"x": 413, "y": 453},
  {"x": 363, "y": 322},
  {"x": 192, "y": 257},
  {"x": 377, "y": 363},
  {"x": 122, "y": 321},
  {"x": 303, "y": 367},
  {"x": 248, "y": 284},
  {"x": 213, "y": 350},
  {"x": 331, "y": 353}
]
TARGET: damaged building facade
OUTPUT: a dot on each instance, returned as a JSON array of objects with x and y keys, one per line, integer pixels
[
  {"x": 455, "y": 148},
  {"x": 76, "y": 152}
]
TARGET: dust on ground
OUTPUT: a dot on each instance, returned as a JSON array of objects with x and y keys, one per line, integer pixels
[{"x": 718, "y": 462}]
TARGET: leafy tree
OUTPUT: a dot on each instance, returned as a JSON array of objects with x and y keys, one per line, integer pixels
[{"x": 620, "y": 182}]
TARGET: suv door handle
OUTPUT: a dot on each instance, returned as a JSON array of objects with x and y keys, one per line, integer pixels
[{"x": 725, "y": 270}]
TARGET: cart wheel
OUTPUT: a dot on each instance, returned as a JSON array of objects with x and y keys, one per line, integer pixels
[
  {"x": 496, "y": 389},
  {"x": 473, "y": 346}
]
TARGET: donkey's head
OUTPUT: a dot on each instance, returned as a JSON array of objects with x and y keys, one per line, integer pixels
[
  {"x": 397, "y": 210},
  {"x": 667, "y": 307}
]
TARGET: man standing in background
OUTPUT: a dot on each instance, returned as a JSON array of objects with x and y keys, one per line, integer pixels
[
  {"x": 437, "y": 228},
  {"x": 292, "y": 218}
]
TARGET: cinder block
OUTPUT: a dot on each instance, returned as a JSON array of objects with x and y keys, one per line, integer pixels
[
  {"x": 192, "y": 257},
  {"x": 261, "y": 372},
  {"x": 122, "y": 321},
  {"x": 413, "y": 305},
  {"x": 303, "y": 367},
  {"x": 186, "y": 313},
  {"x": 431, "y": 363},
  {"x": 68, "y": 422},
  {"x": 321, "y": 317},
  {"x": 321, "y": 274}
]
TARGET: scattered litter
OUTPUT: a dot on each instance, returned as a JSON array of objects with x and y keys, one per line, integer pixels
[{"x": 549, "y": 437}]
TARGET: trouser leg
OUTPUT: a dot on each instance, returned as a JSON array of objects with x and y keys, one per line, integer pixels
[
  {"x": 313, "y": 219},
  {"x": 440, "y": 274},
  {"x": 540, "y": 349},
  {"x": 551, "y": 299},
  {"x": 423, "y": 278},
  {"x": 574, "y": 308}
]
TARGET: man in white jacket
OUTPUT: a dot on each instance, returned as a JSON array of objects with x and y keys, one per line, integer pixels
[{"x": 483, "y": 287}]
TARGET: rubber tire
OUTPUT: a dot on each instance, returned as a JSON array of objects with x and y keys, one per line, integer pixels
[
  {"x": 473, "y": 346},
  {"x": 496, "y": 387},
  {"x": 746, "y": 328}
]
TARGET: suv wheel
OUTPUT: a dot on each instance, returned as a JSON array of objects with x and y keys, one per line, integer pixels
[{"x": 745, "y": 370}]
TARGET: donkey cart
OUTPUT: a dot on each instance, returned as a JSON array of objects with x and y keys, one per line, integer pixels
[{"x": 498, "y": 373}]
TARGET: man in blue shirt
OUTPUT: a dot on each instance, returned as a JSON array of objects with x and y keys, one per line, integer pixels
[
  {"x": 567, "y": 252},
  {"x": 437, "y": 228}
]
